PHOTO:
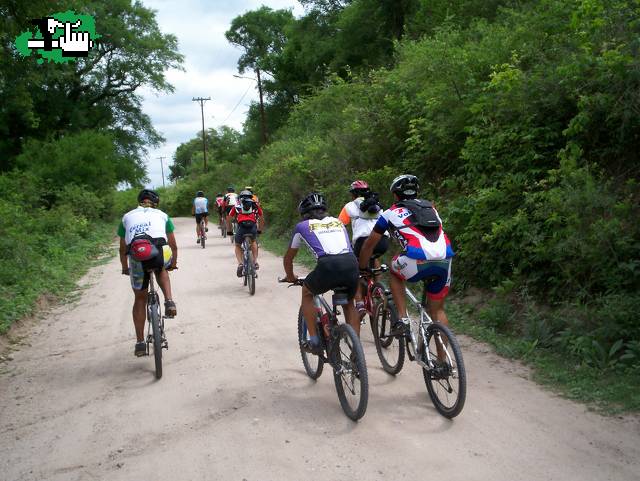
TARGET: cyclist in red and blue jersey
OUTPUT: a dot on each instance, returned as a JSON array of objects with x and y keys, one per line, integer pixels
[
  {"x": 426, "y": 249},
  {"x": 250, "y": 220},
  {"x": 328, "y": 240}
]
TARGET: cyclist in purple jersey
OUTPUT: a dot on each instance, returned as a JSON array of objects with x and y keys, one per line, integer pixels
[{"x": 337, "y": 266}]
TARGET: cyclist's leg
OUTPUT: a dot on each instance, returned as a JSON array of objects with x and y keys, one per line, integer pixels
[
  {"x": 139, "y": 283},
  {"x": 206, "y": 220},
  {"x": 359, "y": 295},
  {"x": 198, "y": 225},
  {"x": 164, "y": 281},
  {"x": 437, "y": 291},
  {"x": 309, "y": 311}
]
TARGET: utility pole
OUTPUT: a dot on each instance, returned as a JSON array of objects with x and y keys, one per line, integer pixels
[
  {"x": 262, "y": 120},
  {"x": 162, "y": 169},
  {"x": 204, "y": 140}
]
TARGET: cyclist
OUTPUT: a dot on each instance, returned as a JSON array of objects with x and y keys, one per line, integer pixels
[
  {"x": 219, "y": 204},
  {"x": 253, "y": 195},
  {"x": 250, "y": 220},
  {"x": 363, "y": 212},
  {"x": 147, "y": 233},
  {"x": 229, "y": 202},
  {"x": 426, "y": 250},
  {"x": 328, "y": 240},
  {"x": 200, "y": 209}
]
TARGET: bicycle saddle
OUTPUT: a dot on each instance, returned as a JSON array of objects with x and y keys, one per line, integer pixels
[{"x": 340, "y": 296}]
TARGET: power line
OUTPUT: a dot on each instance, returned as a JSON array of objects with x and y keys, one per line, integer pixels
[{"x": 239, "y": 101}]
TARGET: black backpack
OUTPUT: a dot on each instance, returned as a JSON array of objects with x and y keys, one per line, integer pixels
[
  {"x": 423, "y": 216},
  {"x": 371, "y": 203}
]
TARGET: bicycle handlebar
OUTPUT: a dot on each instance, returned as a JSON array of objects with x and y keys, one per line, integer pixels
[{"x": 298, "y": 282}]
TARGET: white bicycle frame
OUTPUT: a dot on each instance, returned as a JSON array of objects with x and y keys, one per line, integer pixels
[{"x": 418, "y": 331}]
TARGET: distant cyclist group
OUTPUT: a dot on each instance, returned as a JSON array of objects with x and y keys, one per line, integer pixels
[{"x": 148, "y": 244}]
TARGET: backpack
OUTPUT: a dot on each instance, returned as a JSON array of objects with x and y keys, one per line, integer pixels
[
  {"x": 423, "y": 216},
  {"x": 371, "y": 203},
  {"x": 142, "y": 248}
]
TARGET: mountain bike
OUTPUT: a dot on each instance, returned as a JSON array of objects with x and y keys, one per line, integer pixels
[
  {"x": 390, "y": 349},
  {"x": 155, "y": 330},
  {"x": 341, "y": 348},
  {"x": 202, "y": 231},
  {"x": 248, "y": 264},
  {"x": 234, "y": 229},
  {"x": 430, "y": 344},
  {"x": 223, "y": 226}
]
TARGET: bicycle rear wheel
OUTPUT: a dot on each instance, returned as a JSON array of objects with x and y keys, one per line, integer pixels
[
  {"x": 223, "y": 228},
  {"x": 251, "y": 273},
  {"x": 447, "y": 380},
  {"x": 390, "y": 349},
  {"x": 313, "y": 364},
  {"x": 154, "y": 317},
  {"x": 350, "y": 372},
  {"x": 202, "y": 234}
]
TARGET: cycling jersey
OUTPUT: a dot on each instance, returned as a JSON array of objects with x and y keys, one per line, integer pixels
[
  {"x": 230, "y": 199},
  {"x": 145, "y": 220},
  {"x": 219, "y": 201},
  {"x": 251, "y": 216},
  {"x": 414, "y": 243},
  {"x": 201, "y": 205},
  {"x": 323, "y": 237},
  {"x": 361, "y": 222}
]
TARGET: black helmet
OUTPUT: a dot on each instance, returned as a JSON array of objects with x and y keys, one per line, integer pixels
[
  {"x": 245, "y": 194},
  {"x": 231, "y": 189},
  {"x": 199, "y": 194},
  {"x": 405, "y": 186},
  {"x": 313, "y": 201},
  {"x": 149, "y": 194},
  {"x": 218, "y": 194}
]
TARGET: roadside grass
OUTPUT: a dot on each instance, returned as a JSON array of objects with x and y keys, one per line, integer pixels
[
  {"x": 610, "y": 391},
  {"x": 55, "y": 278}
]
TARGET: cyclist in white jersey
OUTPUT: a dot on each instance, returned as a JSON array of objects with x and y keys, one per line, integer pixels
[
  {"x": 362, "y": 213},
  {"x": 328, "y": 240},
  {"x": 147, "y": 241},
  {"x": 200, "y": 209}
]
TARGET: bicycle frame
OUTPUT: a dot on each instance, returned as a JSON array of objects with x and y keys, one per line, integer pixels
[{"x": 418, "y": 331}]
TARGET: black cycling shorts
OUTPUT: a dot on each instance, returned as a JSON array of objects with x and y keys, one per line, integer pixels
[
  {"x": 334, "y": 271},
  {"x": 245, "y": 227},
  {"x": 200, "y": 216},
  {"x": 381, "y": 247}
]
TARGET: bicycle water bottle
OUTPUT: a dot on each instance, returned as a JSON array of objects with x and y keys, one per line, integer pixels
[{"x": 324, "y": 320}]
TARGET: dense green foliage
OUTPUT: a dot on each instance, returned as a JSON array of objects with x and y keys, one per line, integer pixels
[
  {"x": 520, "y": 118},
  {"x": 69, "y": 135}
]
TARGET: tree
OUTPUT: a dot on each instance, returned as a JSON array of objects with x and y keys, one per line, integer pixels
[{"x": 98, "y": 92}]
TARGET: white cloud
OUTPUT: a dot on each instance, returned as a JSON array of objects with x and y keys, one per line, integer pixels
[{"x": 210, "y": 63}]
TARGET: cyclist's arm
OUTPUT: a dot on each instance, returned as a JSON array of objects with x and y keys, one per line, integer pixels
[
  {"x": 123, "y": 254},
  {"x": 193, "y": 209},
  {"x": 288, "y": 264},
  {"x": 367, "y": 249},
  {"x": 171, "y": 240},
  {"x": 344, "y": 216},
  {"x": 260, "y": 218}
]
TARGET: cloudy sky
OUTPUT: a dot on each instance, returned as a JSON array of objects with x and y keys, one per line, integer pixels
[{"x": 210, "y": 63}]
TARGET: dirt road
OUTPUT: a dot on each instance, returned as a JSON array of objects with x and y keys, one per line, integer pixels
[{"x": 235, "y": 404}]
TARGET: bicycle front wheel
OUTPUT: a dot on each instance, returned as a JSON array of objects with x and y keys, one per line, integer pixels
[
  {"x": 313, "y": 364},
  {"x": 390, "y": 349},
  {"x": 350, "y": 372},
  {"x": 446, "y": 379},
  {"x": 157, "y": 338}
]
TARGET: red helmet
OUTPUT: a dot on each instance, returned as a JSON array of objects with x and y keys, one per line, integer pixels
[{"x": 358, "y": 185}]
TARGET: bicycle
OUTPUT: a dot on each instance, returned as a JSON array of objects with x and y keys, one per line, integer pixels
[
  {"x": 341, "y": 348},
  {"x": 234, "y": 229},
  {"x": 430, "y": 344},
  {"x": 390, "y": 349},
  {"x": 202, "y": 231},
  {"x": 155, "y": 330},
  {"x": 223, "y": 226},
  {"x": 248, "y": 264}
]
